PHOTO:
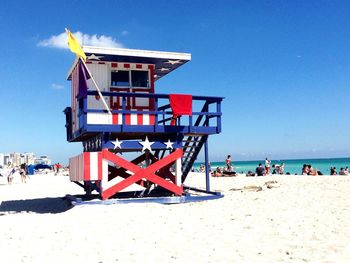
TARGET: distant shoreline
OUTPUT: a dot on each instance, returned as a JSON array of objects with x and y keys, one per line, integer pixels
[
  {"x": 279, "y": 160},
  {"x": 292, "y": 166}
]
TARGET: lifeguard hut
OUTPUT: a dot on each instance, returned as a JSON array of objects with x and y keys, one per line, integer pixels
[{"x": 115, "y": 111}]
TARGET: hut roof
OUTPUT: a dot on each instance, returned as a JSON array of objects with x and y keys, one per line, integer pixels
[{"x": 164, "y": 62}]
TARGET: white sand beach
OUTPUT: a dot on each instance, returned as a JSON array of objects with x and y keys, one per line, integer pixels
[{"x": 305, "y": 219}]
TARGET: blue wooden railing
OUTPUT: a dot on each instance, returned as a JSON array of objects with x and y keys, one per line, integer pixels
[{"x": 206, "y": 110}]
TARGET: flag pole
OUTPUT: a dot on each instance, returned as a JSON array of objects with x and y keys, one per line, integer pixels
[
  {"x": 96, "y": 86},
  {"x": 79, "y": 53}
]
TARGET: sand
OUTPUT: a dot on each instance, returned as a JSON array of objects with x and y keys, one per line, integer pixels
[{"x": 305, "y": 219}]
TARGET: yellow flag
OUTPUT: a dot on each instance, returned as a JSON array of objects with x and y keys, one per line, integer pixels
[{"x": 74, "y": 46}]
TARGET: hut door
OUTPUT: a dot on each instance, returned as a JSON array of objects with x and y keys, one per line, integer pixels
[{"x": 100, "y": 74}]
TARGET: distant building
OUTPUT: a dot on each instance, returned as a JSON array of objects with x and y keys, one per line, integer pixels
[
  {"x": 19, "y": 158},
  {"x": 7, "y": 159},
  {"x": 2, "y": 159},
  {"x": 29, "y": 158},
  {"x": 16, "y": 159}
]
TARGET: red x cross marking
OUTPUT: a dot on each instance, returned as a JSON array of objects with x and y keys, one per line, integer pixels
[{"x": 148, "y": 173}]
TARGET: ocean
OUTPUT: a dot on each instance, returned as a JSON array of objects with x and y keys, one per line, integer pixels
[{"x": 291, "y": 166}]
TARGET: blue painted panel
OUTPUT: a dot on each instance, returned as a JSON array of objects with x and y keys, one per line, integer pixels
[
  {"x": 160, "y": 200},
  {"x": 134, "y": 144},
  {"x": 198, "y": 123}
]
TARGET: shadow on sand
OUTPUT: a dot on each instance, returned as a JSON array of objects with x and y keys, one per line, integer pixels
[{"x": 48, "y": 205}]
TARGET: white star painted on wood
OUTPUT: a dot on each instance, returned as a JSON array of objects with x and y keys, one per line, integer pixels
[
  {"x": 146, "y": 144},
  {"x": 94, "y": 57},
  {"x": 169, "y": 144},
  {"x": 173, "y": 62},
  {"x": 164, "y": 69},
  {"x": 117, "y": 144}
]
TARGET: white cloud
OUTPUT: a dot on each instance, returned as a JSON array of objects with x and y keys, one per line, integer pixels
[
  {"x": 56, "y": 86},
  {"x": 60, "y": 41}
]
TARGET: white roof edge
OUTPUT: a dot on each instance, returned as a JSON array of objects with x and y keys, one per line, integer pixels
[
  {"x": 137, "y": 53},
  {"x": 72, "y": 67}
]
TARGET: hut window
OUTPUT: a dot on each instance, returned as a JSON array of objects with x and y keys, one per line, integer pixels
[
  {"x": 120, "y": 78},
  {"x": 139, "y": 78}
]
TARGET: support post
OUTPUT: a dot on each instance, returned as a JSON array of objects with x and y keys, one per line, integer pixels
[
  {"x": 218, "y": 118},
  {"x": 147, "y": 160},
  {"x": 155, "y": 115},
  {"x": 178, "y": 172},
  {"x": 206, "y": 158}
]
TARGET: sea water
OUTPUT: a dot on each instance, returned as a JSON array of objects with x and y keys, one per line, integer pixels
[{"x": 291, "y": 166}]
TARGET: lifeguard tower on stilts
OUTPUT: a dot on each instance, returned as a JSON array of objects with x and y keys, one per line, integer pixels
[{"x": 115, "y": 113}]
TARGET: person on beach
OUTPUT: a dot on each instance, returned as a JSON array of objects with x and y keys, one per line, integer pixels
[
  {"x": 342, "y": 171},
  {"x": 10, "y": 170},
  {"x": 228, "y": 163},
  {"x": 267, "y": 166},
  {"x": 281, "y": 170},
  {"x": 312, "y": 171},
  {"x": 305, "y": 170},
  {"x": 276, "y": 168},
  {"x": 333, "y": 171},
  {"x": 57, "y": 168},
  {"x": 346, "y": 171},
  {"x": 250, "y": 173},
  {"x": 23, "y": 172},
  {"x": 260, "y": 170},
  {"x": 217, "y": 172}
]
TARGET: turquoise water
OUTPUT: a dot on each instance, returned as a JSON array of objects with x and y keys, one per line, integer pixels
[{"x": 291, "y": 166}]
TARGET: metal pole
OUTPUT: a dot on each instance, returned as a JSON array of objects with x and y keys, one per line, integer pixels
[{"x": 206, "y": 158}]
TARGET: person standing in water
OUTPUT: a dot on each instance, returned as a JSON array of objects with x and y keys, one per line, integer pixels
[
  {"x": 228, "y": 163},
  {"x": 267, "y": 166}
]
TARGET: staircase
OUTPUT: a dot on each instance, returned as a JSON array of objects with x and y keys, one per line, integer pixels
[
  {"x": 192, "y": 147},
  {"x": 192, "y": 143}
]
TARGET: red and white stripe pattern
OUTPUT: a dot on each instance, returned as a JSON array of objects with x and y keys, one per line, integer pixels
[
  {"x": 130, "y": 66},
  {"x": 123, "y": 65},
  {"x": 117, "y": 119},
  {"x": 86, "y": 167}
]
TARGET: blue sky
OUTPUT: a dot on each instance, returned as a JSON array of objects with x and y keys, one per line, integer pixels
[{"x": 282, "y": 66}]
